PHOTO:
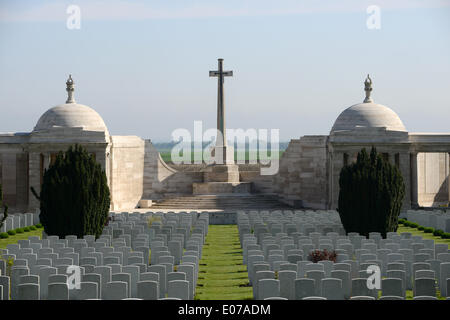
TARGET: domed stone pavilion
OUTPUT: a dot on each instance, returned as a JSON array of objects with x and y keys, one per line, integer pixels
[
  {"x": 25, "y": 156},
  {"x": 370, "y": 124},
  {"x": 310, "y": 167}
]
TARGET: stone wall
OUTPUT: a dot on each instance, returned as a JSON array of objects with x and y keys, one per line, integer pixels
[
  {"x": 127, "y": 158},
  {"x": 162, "y": 181},
  {"x": 14, "y": 176},
  {"x": 302, "y": 176}
]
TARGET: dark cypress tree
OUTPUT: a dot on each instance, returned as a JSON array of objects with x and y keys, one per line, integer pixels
[
  {"x": 5, "y": 208},
  {"x": 371, "y": 194},
  {"x": 74, "y": 197}
]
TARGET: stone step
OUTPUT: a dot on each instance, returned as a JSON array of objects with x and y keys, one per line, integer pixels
[{"x": 223, "y": 202}]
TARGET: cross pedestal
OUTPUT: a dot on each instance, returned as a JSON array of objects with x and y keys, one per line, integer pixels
[
  {"x": 224, "y": 170},
  {"x": 223, "y": 154},
  {"x": 221, "y": 173}
]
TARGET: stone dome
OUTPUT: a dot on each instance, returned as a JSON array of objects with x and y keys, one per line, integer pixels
[
  {"x": 71, "y": 115},
  {"x": 368, "y": 115}
]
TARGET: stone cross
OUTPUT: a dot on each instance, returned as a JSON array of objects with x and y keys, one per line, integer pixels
[{"x": 220, "y": 74}]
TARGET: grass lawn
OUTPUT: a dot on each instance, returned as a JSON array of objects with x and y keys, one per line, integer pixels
[
  {"x": 424, "y": 235},
  {"x": 222, "y": 276},
  {"x": 19, "y": 236}
]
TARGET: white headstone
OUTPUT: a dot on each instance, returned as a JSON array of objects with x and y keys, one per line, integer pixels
[
  {"x": 116, "y": 290},
  {"x": 148, "y": 290},
  {"x": 268, "y": 288},
  {"x": 58, "y": 291},
  {"x": 178, "y": 289},
  {"x": 28, "y": 291},
  {"x": 304, "y": 288}
]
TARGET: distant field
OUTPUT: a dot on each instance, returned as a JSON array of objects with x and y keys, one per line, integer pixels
[{"x": 166, "y": 155}]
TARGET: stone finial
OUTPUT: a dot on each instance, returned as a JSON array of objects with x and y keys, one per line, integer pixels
[
  {"x": 70, "y": 88},
  {"x": 368, "y": 89}
]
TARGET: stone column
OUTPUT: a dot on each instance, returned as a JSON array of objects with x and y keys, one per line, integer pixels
[
  {"x": 47, "y": 159},
  {"x": 34, "y": 178},
  {"x": 405, "y": 168},
  {"x": 337, "y": 165},
  {"x": 330, "y": 180},
  {"x": 414, "y": 181}
]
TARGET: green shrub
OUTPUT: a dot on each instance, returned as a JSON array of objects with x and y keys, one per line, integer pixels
[
  {"x": 12, "y": 232},
  {"x": 26, "y": 229},
  {"x": 428, "y": 230},
  {"x": 445, "y": 235},
  {"x": 39, "y": 226},
  {"x": 421, "y": 228},
  {"x": 413, "y": 225},
  {"x": 4, "y": 235},
  {"x": 370, "y": 195},
  {"x": 32, "y": 228},
  {"x": 19, "y": 230},
  {"x": 401, "y": 221},
  {"x": 74, "y": 197},
  {"x": 438, "y": 233}
]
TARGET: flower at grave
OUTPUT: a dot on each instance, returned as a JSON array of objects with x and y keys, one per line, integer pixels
[{"x": 321, "y": 255}]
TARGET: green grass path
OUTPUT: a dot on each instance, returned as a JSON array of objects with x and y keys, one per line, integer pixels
[{"x": 222, "y": 276}]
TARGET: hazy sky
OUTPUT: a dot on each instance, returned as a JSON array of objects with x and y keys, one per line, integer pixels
[{"x": 143, "y": 65}]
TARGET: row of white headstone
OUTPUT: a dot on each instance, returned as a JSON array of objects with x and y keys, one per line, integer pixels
[
  {"x": 437, "y": 219},
  {"x": 114, "y": 266},
  {"x": 19, "y": 220},
  {"x": 406, "y": 262}
]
